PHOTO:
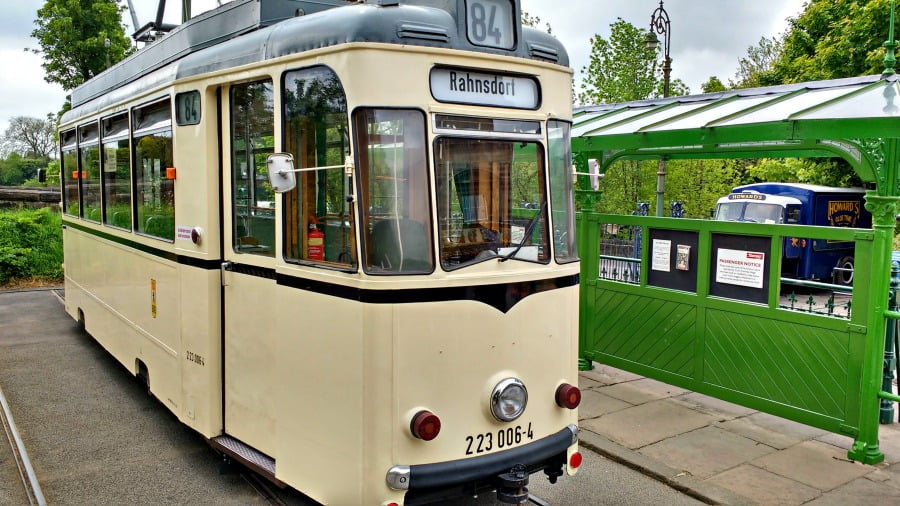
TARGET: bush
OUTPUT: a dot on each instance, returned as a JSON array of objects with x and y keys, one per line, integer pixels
[{"x": 30, "y": 245}]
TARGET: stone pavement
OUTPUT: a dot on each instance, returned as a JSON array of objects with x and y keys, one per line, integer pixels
[{"x": 722, "y": 453}]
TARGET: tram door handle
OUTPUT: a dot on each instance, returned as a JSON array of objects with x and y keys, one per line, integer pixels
[{"x": 226, "y": 266}]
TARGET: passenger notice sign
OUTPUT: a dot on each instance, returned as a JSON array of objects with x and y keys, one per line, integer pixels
[{"x": 741, "y": 268}]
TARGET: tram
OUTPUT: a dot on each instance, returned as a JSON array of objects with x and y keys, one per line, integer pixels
[{"x": 337, "y": 240}]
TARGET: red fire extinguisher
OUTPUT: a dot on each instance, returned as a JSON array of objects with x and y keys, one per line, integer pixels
[{"x": 315, "y": 244}]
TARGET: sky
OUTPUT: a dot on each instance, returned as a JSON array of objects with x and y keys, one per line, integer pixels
[{"x": 707, "y": 38}]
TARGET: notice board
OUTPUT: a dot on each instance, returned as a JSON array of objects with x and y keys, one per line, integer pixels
[
  {"x": 739, "y": 267},
  {"x": 672, "y": 258}
]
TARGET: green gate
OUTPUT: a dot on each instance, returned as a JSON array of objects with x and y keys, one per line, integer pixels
[
  {"x": 741, "y": 336},
  {"x": 801, "y": 362}
]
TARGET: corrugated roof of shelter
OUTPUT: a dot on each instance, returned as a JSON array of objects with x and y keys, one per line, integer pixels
[{"x": 818, "y": 117}]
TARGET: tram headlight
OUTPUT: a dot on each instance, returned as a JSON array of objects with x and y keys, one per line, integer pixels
[{"x": 508, "y": 400}]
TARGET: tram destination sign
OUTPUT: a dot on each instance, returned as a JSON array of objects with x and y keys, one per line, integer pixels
[{"x": 465, "y": 86}]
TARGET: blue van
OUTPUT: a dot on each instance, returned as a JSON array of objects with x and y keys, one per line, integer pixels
[{"x": 803, "y": 204}]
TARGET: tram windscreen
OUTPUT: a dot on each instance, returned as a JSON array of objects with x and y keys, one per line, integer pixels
[{"x": 492, "y": 201}]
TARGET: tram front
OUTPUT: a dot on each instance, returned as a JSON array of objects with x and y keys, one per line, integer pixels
[
  {"x": 450, "y": 240},
  {"x": 485, "y": 359}
]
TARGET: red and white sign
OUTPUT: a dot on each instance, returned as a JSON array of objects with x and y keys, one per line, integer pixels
[{"x": 741, "y": 268}]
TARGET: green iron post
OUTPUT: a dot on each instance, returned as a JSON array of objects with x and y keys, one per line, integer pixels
[
  {"x": 886, "y": 414},
  {"x": 883, "y": 203}
]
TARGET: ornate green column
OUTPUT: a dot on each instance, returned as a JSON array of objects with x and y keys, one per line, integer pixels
[{"x": 884, "y": 204}]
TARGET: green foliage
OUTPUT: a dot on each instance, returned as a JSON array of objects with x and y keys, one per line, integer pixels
[
  {"x": 755, "y": 69},
  {"x": 697, "y": 184},
  {"x": 621, "y": 69},
  {"x": 30, "y": 245},
  {"x": 712, "y": 85},
  {"x": 827, "y": 172},
  {"x": 831, "y": 39},
  {"x": 534, "y": 22},
  {"x": 73, "y": 34},
  {"x": 16, "y": 169}
]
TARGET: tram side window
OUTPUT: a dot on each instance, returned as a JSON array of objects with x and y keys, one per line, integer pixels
[
  {"x": 252, "y": 139},
  {"x": 154, "y": 192},
  {"x": 393, "y": 171},
  {"x": 318, "y": 224},
  {"x": 89, "y": 156},
  {"x": 561, "y": 190},
  {"x": 116, "y": 174},
  {"x": 69, "y": 171}
]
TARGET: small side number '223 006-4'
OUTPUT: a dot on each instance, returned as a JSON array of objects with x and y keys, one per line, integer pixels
[{"x": 502, "y": 438}]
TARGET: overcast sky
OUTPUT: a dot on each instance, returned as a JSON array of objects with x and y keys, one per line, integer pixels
[{"x": 708, "y": 37}]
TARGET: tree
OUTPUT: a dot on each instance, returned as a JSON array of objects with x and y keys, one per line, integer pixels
[
  {"x": 831, "y": 39},
  {"x": 623, "y": 69},
  {"x": 755, "y": 69},
  {"x": 712, "y": 85},
  {"x": 30, "y": 136},
  {"x": 73, "y": 36},
  {"x": 534, "y": 22}
]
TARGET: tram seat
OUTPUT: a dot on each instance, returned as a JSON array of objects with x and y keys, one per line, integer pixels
[{"x": 407, "y": 250}]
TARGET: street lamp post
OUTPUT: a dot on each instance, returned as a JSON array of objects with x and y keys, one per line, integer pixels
[{"x": 659, "y": 24}]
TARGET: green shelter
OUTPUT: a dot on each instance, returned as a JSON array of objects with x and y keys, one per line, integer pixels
[{"x": 821, "y": 368}]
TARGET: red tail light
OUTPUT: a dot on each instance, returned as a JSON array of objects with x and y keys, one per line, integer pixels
[
  {"x": 568, "y": 396},
  {"x": 425, "y": 425},
  {"x": 575, "y": 460}
]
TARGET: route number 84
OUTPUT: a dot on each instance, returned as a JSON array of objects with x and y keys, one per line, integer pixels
[{"x": 490, "y": 23}]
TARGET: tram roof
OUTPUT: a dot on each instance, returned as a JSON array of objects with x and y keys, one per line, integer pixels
[
  {"x": 249, "y": 31},
  {"x": 841, "y": 117}
]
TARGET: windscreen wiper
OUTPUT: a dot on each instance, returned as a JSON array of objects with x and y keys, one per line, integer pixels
[{"x": 528, "y": 230}]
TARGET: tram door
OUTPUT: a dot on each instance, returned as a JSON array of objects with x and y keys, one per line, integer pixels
[{"x": 249, "y": 263}]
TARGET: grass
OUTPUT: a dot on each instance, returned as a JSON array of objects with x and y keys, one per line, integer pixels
[{"x": 31, "y": 250}]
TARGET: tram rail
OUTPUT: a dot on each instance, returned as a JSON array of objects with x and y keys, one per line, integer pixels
[{"x": 28, "y": 477}]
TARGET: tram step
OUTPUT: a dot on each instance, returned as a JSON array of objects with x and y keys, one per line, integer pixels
[{"x": 247, "y": 455}]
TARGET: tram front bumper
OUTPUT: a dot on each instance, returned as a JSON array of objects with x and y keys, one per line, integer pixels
[{"x": 540, "y": 454}]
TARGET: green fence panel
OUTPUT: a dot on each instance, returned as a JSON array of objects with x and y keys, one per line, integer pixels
[{"x": 795, "y": 364}]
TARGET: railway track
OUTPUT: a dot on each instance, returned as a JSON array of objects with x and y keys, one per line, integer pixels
[{"x": 30, "y": 490}]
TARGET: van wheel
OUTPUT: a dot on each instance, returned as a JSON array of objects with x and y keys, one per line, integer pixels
[{"x": 844, "y": 276}]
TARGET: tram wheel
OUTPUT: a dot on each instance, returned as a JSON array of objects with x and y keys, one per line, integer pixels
[{"x": 143, "y": 376}]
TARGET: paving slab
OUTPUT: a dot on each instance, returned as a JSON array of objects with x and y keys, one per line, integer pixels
[
  {"x": 641, "y": 391},
  {"x": 648, "y": 423},
  {"x": 706, "y": 451},
  {"x": 763, "y": 487},
  {"x": 785, "y": 426},
  {"x": 859, "y": 491},
  {"x": 585, "y": 383},
  {"x": 814, "y": 463},
  {"x": 723, "y": 410},
  {"x": 747, "y": 427},
  {"x": 594, "y": 404},
  {"x": 609, "y": 375}
]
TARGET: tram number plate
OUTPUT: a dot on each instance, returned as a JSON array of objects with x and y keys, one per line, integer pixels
[{"x": 502, "y": 438}]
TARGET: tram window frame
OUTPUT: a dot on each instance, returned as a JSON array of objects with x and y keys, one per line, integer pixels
[
  {"x": 68, "y": 149},
  {"x": 298, "y": 212},
  {"x": 115, "y": 129},
  {"x": 487, "y": 229},
  {"x": 154, "y": 123},
  {"x": 379, "y": 236},
  {"x": 255, "y": 238},
  {"x": 89, "y": 172},
  {"x": 562, "y": 191}
]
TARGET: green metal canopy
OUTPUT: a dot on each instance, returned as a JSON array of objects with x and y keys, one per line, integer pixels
[
  {"x": 857, "y": 119},
  {"x": 847, "y": 118}
]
